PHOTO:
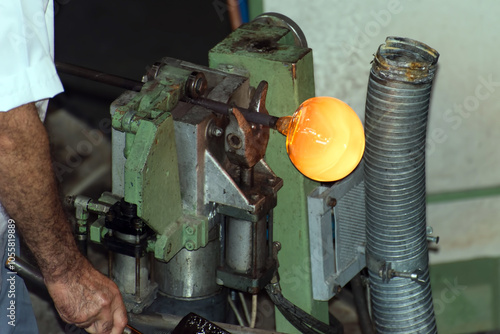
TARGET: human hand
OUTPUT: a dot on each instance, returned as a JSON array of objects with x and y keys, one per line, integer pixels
[{"x": 88, "y": 299}]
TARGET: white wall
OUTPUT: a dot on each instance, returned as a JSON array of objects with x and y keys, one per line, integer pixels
[{"x": 463, "y": 151}]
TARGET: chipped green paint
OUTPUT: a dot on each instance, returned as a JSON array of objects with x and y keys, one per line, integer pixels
[{"x": 151, "y": 170}]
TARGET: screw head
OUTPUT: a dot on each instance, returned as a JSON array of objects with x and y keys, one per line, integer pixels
[
  {"x": 217, "y": 132},
  {"x": 189, "y": 245},
  {"x": 196, "y": 85},
  {"x": 277, "y": 245},
  {"x": 331, "y": 202},
  {"x": 189, "y": 230}
]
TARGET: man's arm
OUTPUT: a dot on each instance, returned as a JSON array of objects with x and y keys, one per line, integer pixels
[{"x": 28, "y": 192}]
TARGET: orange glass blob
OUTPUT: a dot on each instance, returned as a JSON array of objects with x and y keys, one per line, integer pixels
[{"x": 325, "y": 139}]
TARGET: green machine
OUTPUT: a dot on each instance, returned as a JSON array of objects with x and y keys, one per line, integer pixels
[{"x": 205, "y": 199}]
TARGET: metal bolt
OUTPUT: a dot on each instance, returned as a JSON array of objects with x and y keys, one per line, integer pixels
[
  {"x": 253, "y": 290},
  {"x": 189, "y": 230},
  {"x": 331, "y": 202},
  {"x": 138, "y": 224},
  {"x": 433, "y": 239},
  {"x": 277, "y": 245},
  {"x": 217, "y": 132},
  {"x": 414, "y": 276},
  {"x": 196, "y": 85},
  {"x": 189, "y": 245},
  {"x": 69, "y": 200}
]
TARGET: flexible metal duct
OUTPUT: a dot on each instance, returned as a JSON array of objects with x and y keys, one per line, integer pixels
[{"x": 397, "y": 105}]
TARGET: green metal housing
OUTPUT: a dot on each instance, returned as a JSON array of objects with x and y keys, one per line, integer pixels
[{"x": 151, "y": 169}]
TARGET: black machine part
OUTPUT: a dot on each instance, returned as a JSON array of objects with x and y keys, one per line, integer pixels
[{"x": 194, "y": 324}]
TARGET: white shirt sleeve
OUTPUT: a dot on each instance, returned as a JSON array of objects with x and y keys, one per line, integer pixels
[{"x": 27, "y": 71}]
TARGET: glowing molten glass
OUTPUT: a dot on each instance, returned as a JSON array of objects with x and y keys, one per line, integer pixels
[{"x": 324, "y": 138}]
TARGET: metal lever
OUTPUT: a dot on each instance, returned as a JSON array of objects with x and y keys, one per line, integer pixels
[
  {"x": 251, "y": 114},
  {"x": 31, "y": 274}
]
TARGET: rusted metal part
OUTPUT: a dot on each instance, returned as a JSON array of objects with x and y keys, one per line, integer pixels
[
  {"x": 256, "y": 112},
  {"x": 246, "y": 143},
  {"x": 405, "y": 60},
  {"x": 248, "y": 146},
  {"x": 196, "y": 85}
]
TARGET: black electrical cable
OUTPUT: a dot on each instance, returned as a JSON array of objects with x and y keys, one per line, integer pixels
[
  {"x": 300, "y": 319},
  {"x": 365, "y": 322}
]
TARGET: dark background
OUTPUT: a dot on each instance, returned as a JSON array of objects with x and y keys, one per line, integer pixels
[{"x": 123, "y": 38}]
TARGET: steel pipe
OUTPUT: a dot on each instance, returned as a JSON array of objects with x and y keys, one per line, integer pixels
[{"x": 397, "y": 105}]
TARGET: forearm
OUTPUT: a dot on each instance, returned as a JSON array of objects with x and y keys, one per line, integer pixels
[{"x": 28, "y": 191}]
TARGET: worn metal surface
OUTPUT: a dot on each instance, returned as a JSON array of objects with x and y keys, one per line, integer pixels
[
  {"x": 124, "y": 275},
  {"x": 246, "y": 248},
  {"x": 189, "y": 274},
  {"x": 199, "y": 152},
  {"x": 209, "y": 182}
]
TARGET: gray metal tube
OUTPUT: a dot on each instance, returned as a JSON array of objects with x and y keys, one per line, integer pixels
[
  {"x": 189, "y": 274},
  {"x": 397, "y": 105},
  {"x": 246, "y": 245}
]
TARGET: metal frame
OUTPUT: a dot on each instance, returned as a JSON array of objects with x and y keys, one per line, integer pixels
[{"x": 337, "y": 257}]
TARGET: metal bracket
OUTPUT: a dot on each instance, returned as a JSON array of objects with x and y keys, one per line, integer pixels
[
  {"x": 386, "y": 272},
  {"x": 333, "y": 265}
]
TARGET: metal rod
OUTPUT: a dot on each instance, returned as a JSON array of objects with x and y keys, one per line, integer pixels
[
  {"x": 113, "y": 80},
  {"x": 225, "y": 109},
  {"x": 109, "y": 79},
  {"x": 137, "y": 273}
]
